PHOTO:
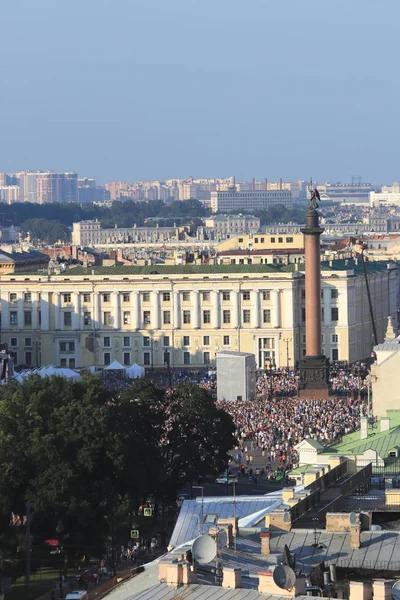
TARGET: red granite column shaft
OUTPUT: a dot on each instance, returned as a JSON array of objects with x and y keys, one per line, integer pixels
[{"x": 313, "y": 294}]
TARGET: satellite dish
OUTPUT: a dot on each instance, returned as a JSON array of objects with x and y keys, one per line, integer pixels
[
  {"x": 204, "y": 549},
  {"x": 284, "y": 577},
  {"x": 396, "y": 591},
  {"x": 221, "y": 539},
  {"x": 353, "y": 518}
]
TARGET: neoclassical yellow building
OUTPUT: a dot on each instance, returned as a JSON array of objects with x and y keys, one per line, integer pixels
[{"x": 184, "y": 315}]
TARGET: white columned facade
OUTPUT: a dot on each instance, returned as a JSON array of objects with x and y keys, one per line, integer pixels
[
  {"x": 256, "y": 308},
  {"x": 35, "y": 305},
  {"x": 276, "y": 309},
  {"x": 116, "y": 311},
  {"x": 215, "y": 321},
  {"x": 20, "y": 310},
  {"x": 288, "y": 308},
  {"x": 44, "y": 311},
  {"x": 177, "y": 312},
  {"x": 235, "y": 311},
  {"x": 327, "y": 306},
  {"x": 196, "y": 310},
  {"x": 5, "y": 315},
  {"x": 156, "y": 309},
  {"x": 76, "y": 311},
  {"x": 135, "y": 310}
]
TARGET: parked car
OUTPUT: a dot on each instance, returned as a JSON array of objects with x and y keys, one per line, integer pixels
[{"x": 226, "y": 478}]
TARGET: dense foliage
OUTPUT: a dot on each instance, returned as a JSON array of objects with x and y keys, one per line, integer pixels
[{"x": 82, "y": 456}]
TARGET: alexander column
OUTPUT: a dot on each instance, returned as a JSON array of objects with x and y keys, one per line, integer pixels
[{"x": 314, "y": 368}]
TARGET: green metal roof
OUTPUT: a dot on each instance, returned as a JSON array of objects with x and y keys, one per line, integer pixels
[
  {"x": 189, "y": 269},
  {"x": 381, "y": 442}
]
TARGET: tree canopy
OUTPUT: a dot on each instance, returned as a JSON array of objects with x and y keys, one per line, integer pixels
[{"x": 79, "y": 454}]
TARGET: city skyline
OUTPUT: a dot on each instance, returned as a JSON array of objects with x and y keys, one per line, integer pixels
[{"x": 216, "y": 88}]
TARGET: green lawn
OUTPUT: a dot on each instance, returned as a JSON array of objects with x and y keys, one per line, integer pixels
[{"x": 42, "y": 581}]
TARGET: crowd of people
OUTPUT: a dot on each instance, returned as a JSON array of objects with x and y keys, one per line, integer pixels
[{"x": 277, "y": 425}]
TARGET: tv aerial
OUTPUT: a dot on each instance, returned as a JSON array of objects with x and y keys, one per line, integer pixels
[
  {"x": 204, "y": 549},
  {"x": 284, "y": 577}
]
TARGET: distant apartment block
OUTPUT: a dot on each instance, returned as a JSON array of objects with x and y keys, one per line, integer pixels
[
  {"x": 377, "y": 199},
  {"x": 232, "y": 200}
]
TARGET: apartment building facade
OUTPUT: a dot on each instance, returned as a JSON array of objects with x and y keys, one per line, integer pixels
[
  {"x": 182, "y": 316},
  {"x": 232, "y": 200}
]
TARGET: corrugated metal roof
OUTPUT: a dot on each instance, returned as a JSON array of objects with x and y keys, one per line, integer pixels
[{"x": 188, "y": 525}]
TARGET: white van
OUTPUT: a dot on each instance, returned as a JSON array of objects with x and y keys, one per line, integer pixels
[{"x": 77, "y": 595}]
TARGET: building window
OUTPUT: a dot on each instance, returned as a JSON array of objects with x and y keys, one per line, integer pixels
[
  {"x": 206, "y": 296},
  {"x": 107, "y": 358},
  {"x": 186, "y": 358},
  {"x": 107, "y": 318},
  {"x": 186, "y": 316},
  {"x": 186, "y": 340},
  {"x": 63, "y": 362},
  {"x": 68, "y": 319},
  {"x": 13, "y": 297},
  {"x": 28, "y": 358},
  {"x": 28, "y": 342},
  {"x": 166, "y": 317},
  {"x": 67, "y": 347},
  {"x": 266, "y": 295},
  {"x": 126, "y": 297},
  {"x": 166, "y": 296},
  {"x": 27, "y": 318},
  {"x": 106, "y": 342},
  {"x": 266, "y": 316},
  {"x": 289, "y": 240},
  {"x": 67, "y": 298},
  {"x": 13, "y": 318},
  {"x": 27, "y": 297},
  {"x": 146, "y": 358},
  {"x": 127, "y": 341},
  {"x": 127, "y": 318},
  {"x": 303, "y": 315},
  {"x": 226, "y": 296},
  {"x": 166, "y": 340},
  {"x": 86, "y": 298},
  {"x": 146, "y": 341},
  {"x": 206, "y": 358},
  {"x": 280, "y": 240},
  {"x": 226, "y": 316},
  {"x": 185, "y": 296},
  {"x": 106, "y": 297},
  {"x": 335, "y": 338},
  {"x": 206, "y": 340},
  {"x": 146, "y": 317},
  {"x": 334, "y": 293},
  {"x": 246, "y": 316},
  {"x": 87, "y": 319},
  {"x": 226, "y": 340},
  {"x": 146, "y": 296},
  {"x": 206, "y": 316},
  {"x": 246, "y": 295},
  {"x": 335, "y": 354},
  {"x": 272, "y": 240},
  {"x": 334, "y": 313},
  {"x": 13, "y": 342},
  {"x": 303, "y": 294},
  {"x": 127, "y": 358},
  {"x": 39, "y": 317},
  {"x": 166, "y": 358}
]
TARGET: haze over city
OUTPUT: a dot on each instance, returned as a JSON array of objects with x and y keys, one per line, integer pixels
[{"x": 149, "y": 90}]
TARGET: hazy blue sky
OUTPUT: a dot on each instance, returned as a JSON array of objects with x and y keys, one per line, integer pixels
[{"x": 137, "y": 89}]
